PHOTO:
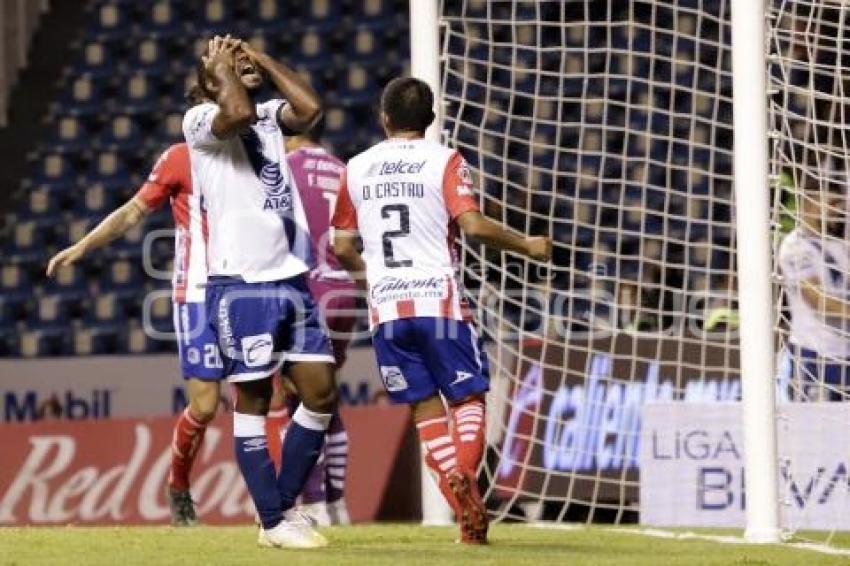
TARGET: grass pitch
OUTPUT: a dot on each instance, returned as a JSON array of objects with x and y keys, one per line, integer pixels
[{"x": 394, "y": 545}]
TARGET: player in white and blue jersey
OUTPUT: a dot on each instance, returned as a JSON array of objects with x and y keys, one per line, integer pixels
[
  {"x": 814, "y": 260},
  {"x": 258, "y": 303}
]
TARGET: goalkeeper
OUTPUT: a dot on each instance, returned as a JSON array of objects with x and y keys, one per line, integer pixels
[{"x": 407, "y": 197}]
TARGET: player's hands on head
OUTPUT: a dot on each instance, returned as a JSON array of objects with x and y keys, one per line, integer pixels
[
  {"x": 539, "y": 248},
  {"x": 221, "y": 50},
  {"x": 66, "y": 257}
]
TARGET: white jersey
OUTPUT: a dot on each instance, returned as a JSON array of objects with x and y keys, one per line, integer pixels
[
  {"x": 257, "y": 227},
  {"x": 804, "y": 255},
  {"x": 403, "y": 196}
]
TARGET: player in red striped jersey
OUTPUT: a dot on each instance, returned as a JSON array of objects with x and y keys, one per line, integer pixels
[
  {"x": 171, "y": 180},
  {"x": 406, "y": 197}
]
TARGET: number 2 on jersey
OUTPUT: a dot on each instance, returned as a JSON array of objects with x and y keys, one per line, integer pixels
[{"x": 389, "y": 211}]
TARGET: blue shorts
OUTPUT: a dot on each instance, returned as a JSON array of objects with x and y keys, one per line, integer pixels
[
  {"x": 260, "y": 327},
  {"x": 420, "y": 357},
  {"x": 198, "y": 351},
  {"x": 816, "y": 372}
]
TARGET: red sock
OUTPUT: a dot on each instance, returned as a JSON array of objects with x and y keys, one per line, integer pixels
[
  {"x": 440, "y": 454},
  {"x": 188, "y": 435},
  {"x": 468, "y": 434}
]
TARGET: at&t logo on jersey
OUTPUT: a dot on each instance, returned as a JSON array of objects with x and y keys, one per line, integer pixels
[
  {"x": 400, "y": 167},
  {"x": 278, "y": 193}
]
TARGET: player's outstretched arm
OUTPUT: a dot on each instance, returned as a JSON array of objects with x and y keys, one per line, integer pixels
[
  {"x": 479, "y": 227},
  {"x": 116, "y": 224},
  {"x": 304, "y": 107},
  {"x": 822, "y": 301},
  {"x": 236, "y": 111},
  {"x": 345, "y": 250}
]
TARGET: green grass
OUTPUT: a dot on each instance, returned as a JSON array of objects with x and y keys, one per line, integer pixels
[{"x": 381, "y": 544}]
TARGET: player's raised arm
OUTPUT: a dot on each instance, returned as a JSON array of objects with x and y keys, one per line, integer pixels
[
  {"x": 116, "y": 224},
  {"x": 236, "y": 110},
  {"x": 303, "y": 107},
  {"x": 479, "y": 227}
]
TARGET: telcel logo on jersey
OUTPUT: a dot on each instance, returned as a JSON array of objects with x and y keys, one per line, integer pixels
[
  {"x": 278, "y": 193},
  {"x": 400, "y": 167}
]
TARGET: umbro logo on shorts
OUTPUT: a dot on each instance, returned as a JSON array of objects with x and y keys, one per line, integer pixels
[
  {"x": 254, "y": 444},
  {"x": 462, "y": 376}
]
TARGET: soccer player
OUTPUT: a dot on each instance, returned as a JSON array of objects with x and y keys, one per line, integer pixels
[
  {"x": 814, "y": 260},
  {"x": 406, "y": 197},
  {"x": 258, "y": 302},
  {"x": 317, "y": 176},
  {"x": 171, "y": 180}
]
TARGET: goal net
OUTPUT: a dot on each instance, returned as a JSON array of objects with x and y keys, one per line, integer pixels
[
  {"x": 808, "y": 56},
  {"x": 608, "y": 125}
]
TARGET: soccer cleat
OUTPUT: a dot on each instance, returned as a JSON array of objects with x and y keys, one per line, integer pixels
[
  {"x": 182, "y": 507},
  {"x": 317, "y": 512},
  {"x": 295, "y": 531},
  {"x": 473, "y": 516},
  {"x": 338, "y": 512}
]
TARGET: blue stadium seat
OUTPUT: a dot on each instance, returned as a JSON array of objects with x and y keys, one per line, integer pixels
[
  {"x": 120, "y": 134},
  {"x": 50, "y": 311},
  {"x": 214, "y": 17},
  {"x": 95, "y": 60},
  {"x": 139, "y": 93},
  {"x": 110, "y": 21},
  {"x": 99, "y": 339},
  {"x": 149, "y": 56},
  {"x": 48, "y": 341},
  {"x": 163, "y": 18},
  {"x": 52, "y": 168},
  {"x": 268, "y": 15},
  {"x": 83, "y": 97}
]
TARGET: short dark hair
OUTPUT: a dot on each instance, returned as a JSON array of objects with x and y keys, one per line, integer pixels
[
  {"x": 195, "y": 95},
  {"x": 408, "y": 104}
]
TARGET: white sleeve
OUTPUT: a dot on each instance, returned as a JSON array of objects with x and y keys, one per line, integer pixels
[
  {"x": 197, "y": 126},
  {"x": 798, "y": 261},
  {"x": 273, "y": 107}
]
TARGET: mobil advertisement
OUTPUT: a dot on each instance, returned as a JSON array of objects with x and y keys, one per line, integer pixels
[
  {"x": 692, "y": 465},
  {"x": 100, "y": 387}
]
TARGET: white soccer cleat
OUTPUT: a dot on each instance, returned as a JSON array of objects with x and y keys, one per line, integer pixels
[
  {"x": 338, "y": 512},
  {"x": 291, "y": 534},
  {"x": 318, "y": 512}
]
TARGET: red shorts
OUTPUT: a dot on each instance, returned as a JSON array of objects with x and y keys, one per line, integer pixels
[{"x": 337, "y": 302}]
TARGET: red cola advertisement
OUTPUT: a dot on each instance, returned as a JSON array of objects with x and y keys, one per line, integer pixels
[{"x": 115, "y": 471}]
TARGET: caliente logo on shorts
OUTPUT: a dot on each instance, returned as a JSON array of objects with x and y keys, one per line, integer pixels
[
  {"x": 257, "y": 350},
  {"x": 393, "y": 378}
]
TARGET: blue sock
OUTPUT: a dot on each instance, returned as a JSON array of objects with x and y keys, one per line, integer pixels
[
  {"x": 305, "y": 437},
  {"x": 252, "y": 455}
]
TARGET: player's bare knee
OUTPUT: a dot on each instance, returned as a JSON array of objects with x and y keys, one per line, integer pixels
[
  {"x": 322, "y": 400},
  {"x": 203, "y": 410}
]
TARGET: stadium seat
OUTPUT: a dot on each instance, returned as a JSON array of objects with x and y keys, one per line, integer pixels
[
  {"x": 110, "y": 22},
  {"x": 268, "y": 15},
  {"x": 214, "y": 17},
  {"x": 44, "y": 342},
  {"x": 163, "y": 18},
  {"x": 84, "y": 97},
  {"x": 69, "y": 136}
]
